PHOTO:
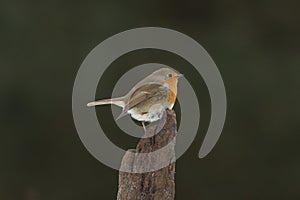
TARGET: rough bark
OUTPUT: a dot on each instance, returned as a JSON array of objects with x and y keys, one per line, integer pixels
[{"x": 152, "y": 185}]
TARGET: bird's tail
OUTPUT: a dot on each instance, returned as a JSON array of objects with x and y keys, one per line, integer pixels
[{"x": 116, "y": 101}]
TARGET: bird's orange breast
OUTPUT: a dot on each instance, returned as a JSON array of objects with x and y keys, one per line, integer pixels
[
  {"x": 173, "y": 90},
  {"x": 172, "y": 98}
]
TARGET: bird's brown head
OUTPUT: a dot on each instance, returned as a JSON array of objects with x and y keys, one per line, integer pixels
[{"x": 168, "y": 76}]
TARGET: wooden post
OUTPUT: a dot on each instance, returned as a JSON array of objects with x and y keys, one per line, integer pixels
[{"x": 154, "y": 185}]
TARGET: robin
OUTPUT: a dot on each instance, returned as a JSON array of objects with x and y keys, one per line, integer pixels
[{"x": 149, "y": 98}]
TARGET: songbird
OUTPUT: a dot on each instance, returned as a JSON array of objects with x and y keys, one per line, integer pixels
[{"x": 149, "y": 98}]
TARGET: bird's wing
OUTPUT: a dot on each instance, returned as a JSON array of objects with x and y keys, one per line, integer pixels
[{"x": 142, "y": 94}]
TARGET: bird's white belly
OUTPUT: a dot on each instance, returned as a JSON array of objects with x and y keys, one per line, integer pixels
[{"x": 155, "y": 113}]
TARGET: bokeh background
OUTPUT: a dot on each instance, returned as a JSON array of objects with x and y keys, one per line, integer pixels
[{"x": 255, "y": 44}]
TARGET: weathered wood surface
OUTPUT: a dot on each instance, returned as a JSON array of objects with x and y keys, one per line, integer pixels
[{"x": 152, "y": 185}]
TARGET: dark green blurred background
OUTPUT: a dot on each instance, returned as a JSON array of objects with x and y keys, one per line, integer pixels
[{"x": 255, "y": 44}]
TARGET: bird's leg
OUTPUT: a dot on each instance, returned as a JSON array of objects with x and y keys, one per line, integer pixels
[{"x": 143, "y": 123}]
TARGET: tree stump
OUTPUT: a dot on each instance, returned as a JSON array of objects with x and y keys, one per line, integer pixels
[{"x": 152, "y": 185}]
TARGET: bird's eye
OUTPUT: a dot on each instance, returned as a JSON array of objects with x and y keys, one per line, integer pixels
[{"x": 170, "y": 75}]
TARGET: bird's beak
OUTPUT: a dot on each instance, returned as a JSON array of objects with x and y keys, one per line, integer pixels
[{"x": 179, "y": 75}]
